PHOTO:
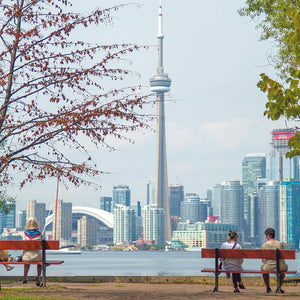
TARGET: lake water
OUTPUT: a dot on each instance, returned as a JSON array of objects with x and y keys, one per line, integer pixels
[{"x": 137, "y": 263}]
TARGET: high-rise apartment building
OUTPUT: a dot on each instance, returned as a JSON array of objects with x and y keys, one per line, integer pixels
[
  {"x": 290, "y": 212},
  {"x": 153, "y": 224},
  {"x": 86, "y": 232},
  {"x": 21, "y": 219},
  {"x": 192, "y": 209},
  {"x": 268, "y": 208},
  {"x": 124, "y": 224},
  {"x": 38, "y": 211},
  {"x": 232, "y": 203},
  {"x": 253, "y": 168},
  {"x": 106, "y": 203},
  {"x": 281, "y": 167},
  {"x": 176, "y": 196},
  {"x": 62, "y": 222},
  {"x": 121, "y": 195}
]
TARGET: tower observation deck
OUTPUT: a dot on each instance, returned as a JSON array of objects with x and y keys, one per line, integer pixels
[{"x": 159, "y": 84}]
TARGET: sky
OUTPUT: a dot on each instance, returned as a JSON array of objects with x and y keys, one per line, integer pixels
[{"x": 214, "y": 111}]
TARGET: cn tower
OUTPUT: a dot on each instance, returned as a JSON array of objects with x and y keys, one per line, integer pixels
[{"x": 159, "y": 84}]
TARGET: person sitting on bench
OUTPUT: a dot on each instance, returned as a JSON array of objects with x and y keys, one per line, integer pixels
[
  {"x": 270, "y": 265},
  {"x": 233, "y": 264},
  {"x": 32, "y": 233},
  {"x": 4, "y": 257}
]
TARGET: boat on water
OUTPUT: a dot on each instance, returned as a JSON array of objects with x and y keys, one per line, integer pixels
[
  {"x": 193, "y": 249},
  {"x": 63, "y": 251}
]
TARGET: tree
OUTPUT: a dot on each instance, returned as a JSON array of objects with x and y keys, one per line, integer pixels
[
  {"x": 54, "y": 94},
  {"x": 283, "y": 98},
  {"x": 274, "y": 24}
]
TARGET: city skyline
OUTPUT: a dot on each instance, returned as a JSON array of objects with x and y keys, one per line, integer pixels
[{"x": 215, "y": 109}]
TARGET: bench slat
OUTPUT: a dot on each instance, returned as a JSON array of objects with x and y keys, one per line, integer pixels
[
  {"x": 28, "y": 245},
  {"x": 207, "y": 270},
  {"x": 248, "y": 253}
]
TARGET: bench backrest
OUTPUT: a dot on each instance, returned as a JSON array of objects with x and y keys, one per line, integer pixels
[
  {"x": 28, "y": 245},
  {"x": 248, "y": 253}
]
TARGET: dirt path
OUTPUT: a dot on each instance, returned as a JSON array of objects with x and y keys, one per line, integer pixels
[{"x": 141, "y": 291}]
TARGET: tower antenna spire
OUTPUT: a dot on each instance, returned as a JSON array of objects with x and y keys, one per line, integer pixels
[{"x": 159, "y": 84}]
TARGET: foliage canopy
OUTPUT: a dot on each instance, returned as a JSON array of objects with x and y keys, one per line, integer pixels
[{"x": 280, "y": 20}]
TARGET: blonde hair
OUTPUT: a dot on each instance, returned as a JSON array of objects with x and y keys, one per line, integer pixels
[
  {"x": 231, "y": 235},
  {"x": 32, "y": 223}
]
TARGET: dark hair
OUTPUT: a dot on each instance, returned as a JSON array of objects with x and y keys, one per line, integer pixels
[
  {"x": 231, "y": 235},
  {"x": 270, "y": 232}
]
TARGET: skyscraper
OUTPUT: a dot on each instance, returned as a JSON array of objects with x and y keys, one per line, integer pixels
[
  {"x": 268, "y": 208},
  {"x": 159, "y": 84},
  {"x": 192, "y": 209},
  {"x": 62, "y": 222},
  {"x": 21, "y": 219},
  {"x": 150, "y": 192},
  {"x": 8, "y": 220},
  {"x": 124, "y": 224},
  {"x": 253, "y": 168},
  {"x": 153, "y": 224},
  {"x": 290, "y": 212},
  {"x": 106, "y": 203},
  {"x": 86, "y": 230},
  {"x": 280, "y": 166},
  {"x": 38, "y": 211},
  {"x": 121, "y": 195},
  {"x": 176, "y": 196},
  {"x": 232, "y": 203}
]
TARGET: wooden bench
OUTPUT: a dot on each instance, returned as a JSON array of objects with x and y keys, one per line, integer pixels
[
  {"x": 274, "y": 254},
  {"x": 32, "y": 245}
]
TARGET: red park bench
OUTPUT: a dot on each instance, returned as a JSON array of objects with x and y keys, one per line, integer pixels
[
  {"x": 32, "y": 245},
  {"x": 275, "y": 254}
]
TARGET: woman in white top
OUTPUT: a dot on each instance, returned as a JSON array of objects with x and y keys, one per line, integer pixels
[
  {"x": 233, "y": 264},
  {"x": 32, "y": 233}
]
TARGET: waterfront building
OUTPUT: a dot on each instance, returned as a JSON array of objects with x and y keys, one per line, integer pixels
[
  {"x": 174, "y": 222},
  {"x": 150, "y": 192},
  {"x": 210, "y": 211},
  {"x": 232, "y": 203},
  {"x": 21, "y": 219},
  {"x": 62, "y": 222},
  {"x": 153, "y": 224},
  {"x": 124, "y": 224},
  {"x": 38, "y": 211},
  {"x": 253, "y": 168},
  {"x": 216, "y": 198},
  {"x": 176, "y": 196},
  {"x": 160, "y": 84},
  {"x": 8, "y": 220},
  {"x": 192, "y": 209},
  {"x": 268, "y": 208},
  {"x": 121, "y": 195},
  {"x": 106, "y": 203},
  {"x": 290, "y": 212},
  {"x": 253, "y": 212},
  {"x": 281, "y": 167},
  {"x": 86, "y": 232},
  {"x": 137, "y": 208},
  {"x": 204, "y": 235}
]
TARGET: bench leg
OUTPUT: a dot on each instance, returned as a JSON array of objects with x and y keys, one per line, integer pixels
[{"x": 216, "y": 270}]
